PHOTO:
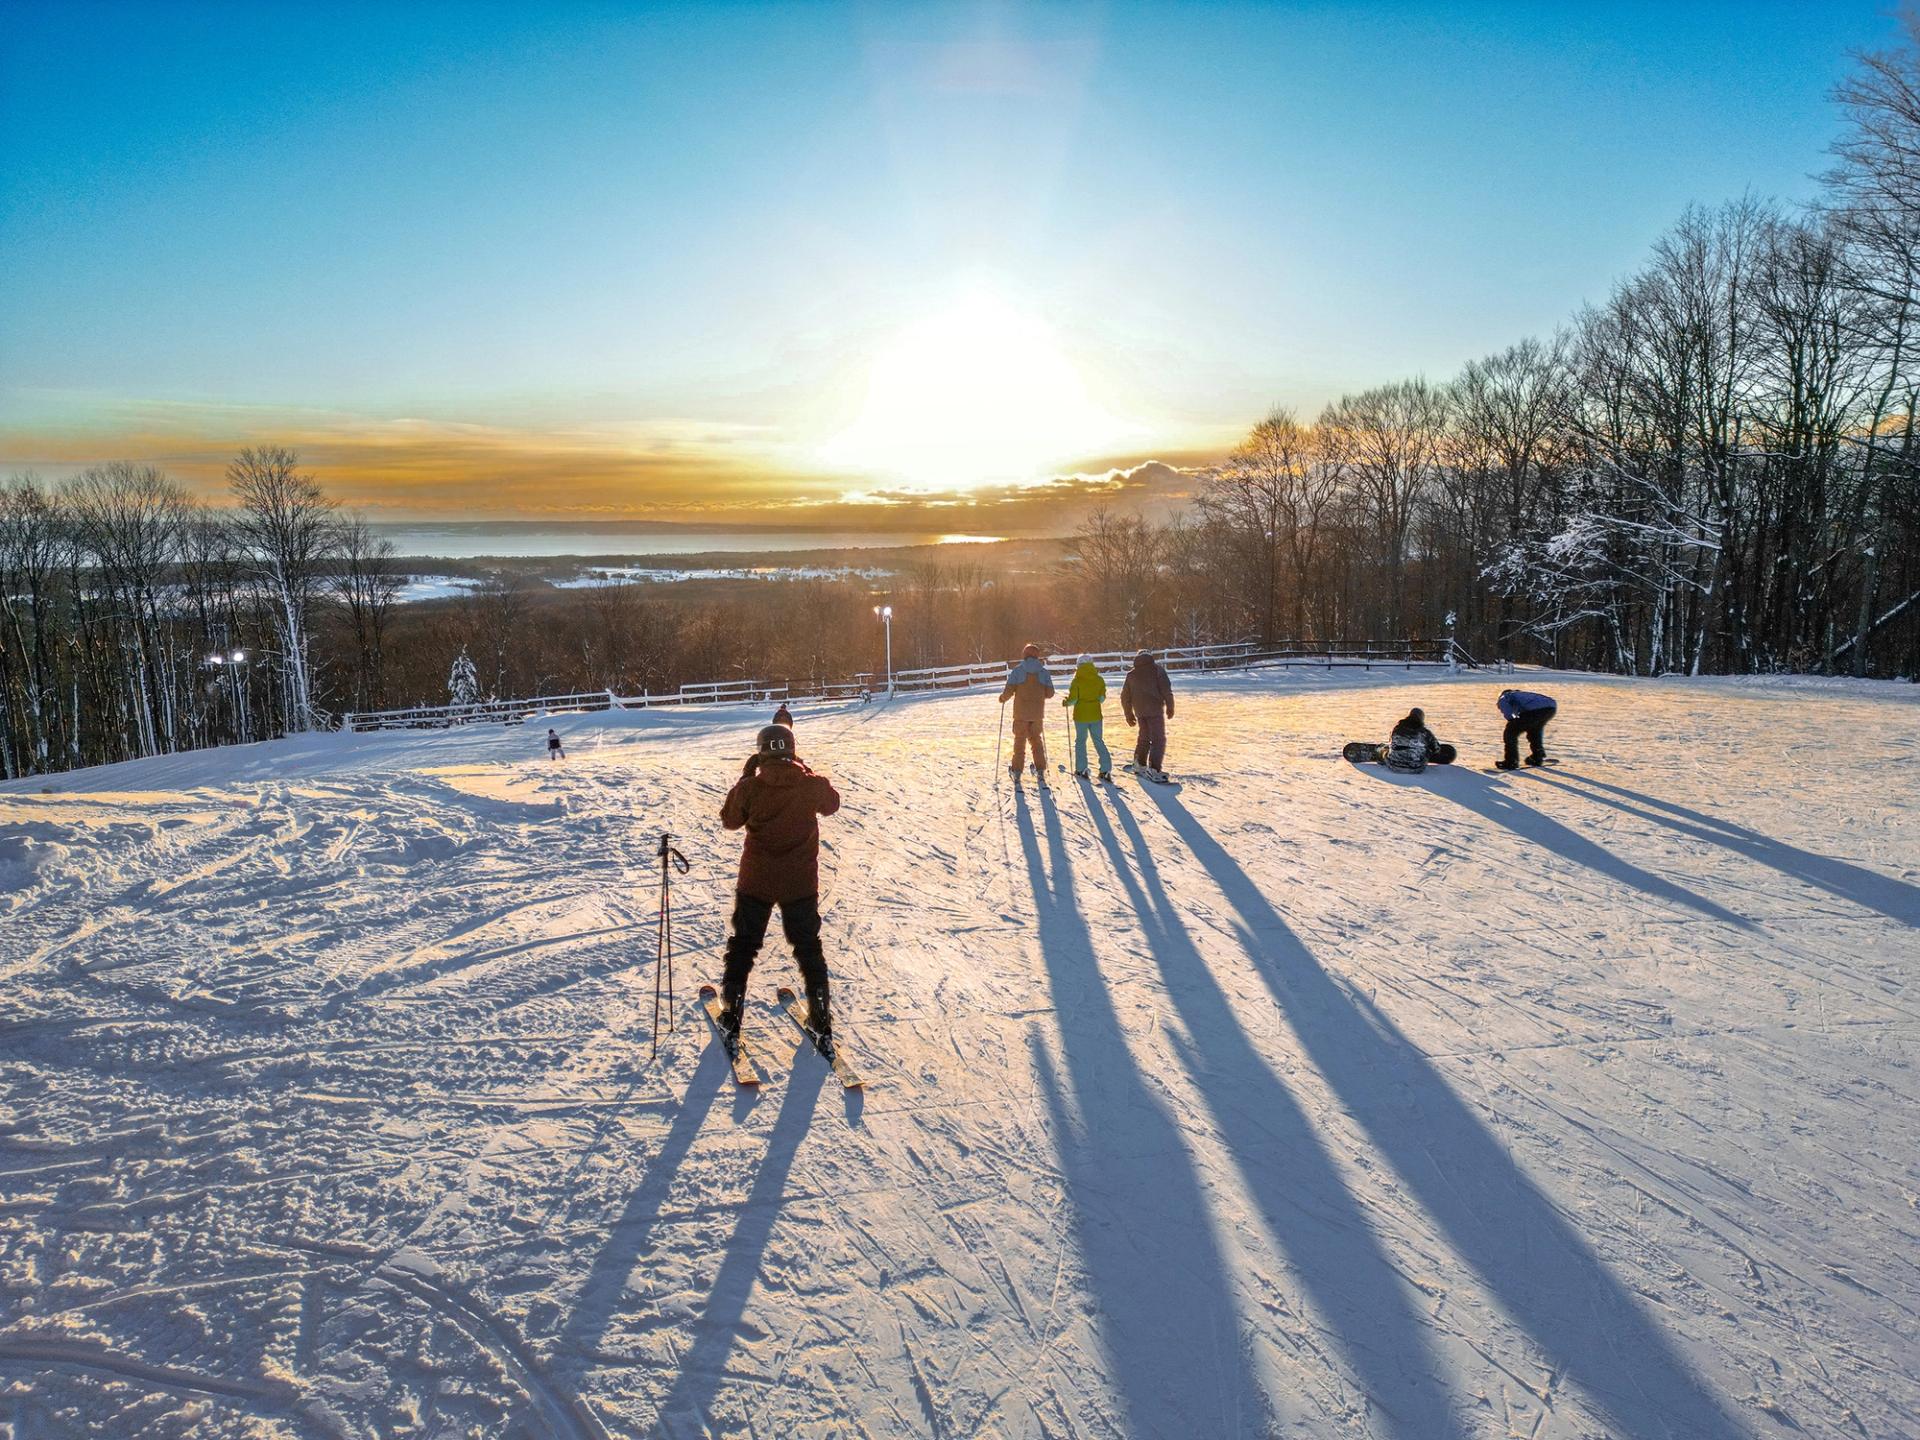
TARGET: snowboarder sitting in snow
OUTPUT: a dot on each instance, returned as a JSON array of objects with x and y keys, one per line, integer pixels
[
  {"x": 783, "y": 716},
  {"x": 1412, "y": 747},
  {"x": 778, "y": 802},
  {"x": 1147, "y": 699},
  {"x": 554, "y": 748},
  {"x": 1029, "y": 686},
  {"x": 1084, "y": 695},
  {"x": 1527, "y": 714}
]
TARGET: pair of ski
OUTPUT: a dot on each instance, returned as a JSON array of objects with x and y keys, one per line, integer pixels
[{"x": 744, "y": 1070}]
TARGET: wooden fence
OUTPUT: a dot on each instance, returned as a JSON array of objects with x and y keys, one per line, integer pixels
[{"x": 1237, "y": 655}]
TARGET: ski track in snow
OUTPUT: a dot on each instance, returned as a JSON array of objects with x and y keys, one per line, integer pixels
[{"x": 1299, "y": 1099}]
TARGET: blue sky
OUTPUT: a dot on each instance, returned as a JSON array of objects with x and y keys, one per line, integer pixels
[{"x": 694, "y": 232}]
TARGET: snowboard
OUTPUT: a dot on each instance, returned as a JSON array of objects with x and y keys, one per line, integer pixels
[
  {"x": 1524, "y": 767},
  {"x": 1362, "y": 751},
  {"x": 743, "y": 1070},
  {"x": 790, "y": 1002}
]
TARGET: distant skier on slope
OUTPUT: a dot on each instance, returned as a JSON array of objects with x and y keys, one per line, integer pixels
[
  {"x": 555, "y": 751},
  {"x": 1029, "y": 686},
  {"x": 1527, "y": 713},
  {"x": 783, "y": 716},
  {"x": 1084, "y": 694},
  {"x": 778, "y": 801},
  {"x": 1412, "y": 746},
  {"x": 1147, "y": 700}
]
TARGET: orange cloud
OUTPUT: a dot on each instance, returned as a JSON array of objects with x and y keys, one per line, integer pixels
[{"x": 670, "y": 470}]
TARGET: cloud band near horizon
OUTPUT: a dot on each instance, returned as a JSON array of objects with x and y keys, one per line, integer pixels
[{"x": 419, "y": 470}]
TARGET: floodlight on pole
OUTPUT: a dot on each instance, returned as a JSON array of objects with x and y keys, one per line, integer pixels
[{"x": 885, "y": 612}]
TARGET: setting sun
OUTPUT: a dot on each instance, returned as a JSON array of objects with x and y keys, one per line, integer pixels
[{"x": 976, "y": 393}]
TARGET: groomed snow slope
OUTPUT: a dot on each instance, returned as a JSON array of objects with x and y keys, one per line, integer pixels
[{"x": 1301, "y": 1100}]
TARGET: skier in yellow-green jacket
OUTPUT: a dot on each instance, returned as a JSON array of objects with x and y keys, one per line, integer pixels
[{"x": 1084, "y": 695}]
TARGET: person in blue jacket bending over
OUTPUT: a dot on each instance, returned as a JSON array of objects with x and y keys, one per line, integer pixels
[{"x": 1527, "y": 714}]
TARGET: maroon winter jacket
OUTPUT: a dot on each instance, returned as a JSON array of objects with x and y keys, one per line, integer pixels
[{"x": 779, "y": 805}]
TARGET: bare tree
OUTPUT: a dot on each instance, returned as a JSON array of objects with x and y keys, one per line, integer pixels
[
  {"x": 288, "y": 527},
  {"x": 1268, "y": 498},
  {"x": 367, "y": 584},
  {"x": 1387, "y": 442}
]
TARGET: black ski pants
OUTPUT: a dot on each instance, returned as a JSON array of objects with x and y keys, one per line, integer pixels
[
  {"x": 1530, "y": 724},
  {"x": 801, "y": 921},
  {"x": 1150, "y": 747}
]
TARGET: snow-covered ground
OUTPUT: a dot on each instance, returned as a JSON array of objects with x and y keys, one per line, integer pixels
[{"x": 1299, "y": 1100}]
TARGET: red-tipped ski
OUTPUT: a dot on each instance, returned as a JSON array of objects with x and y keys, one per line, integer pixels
[
  {"x": 790, "y": 1002},
  {"x": 743, "y": 1071}
]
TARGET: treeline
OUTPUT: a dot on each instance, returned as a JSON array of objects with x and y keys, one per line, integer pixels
[
  {"x": 136, "y": 620},
  {"x": 1712, "y": 470}
]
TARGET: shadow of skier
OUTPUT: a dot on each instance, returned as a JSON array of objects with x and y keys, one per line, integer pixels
[
  {"x": 1536, "y": 1266},
  {"x": 1167, "y": 1319},
  {"x": 1493, "y": 801},
  {"x": 1895, "y": 899},
  {"x": 1373, "y": 1314},
  {"x": 629, "y": 1237},
  {"x": 687, "y": 1409}
]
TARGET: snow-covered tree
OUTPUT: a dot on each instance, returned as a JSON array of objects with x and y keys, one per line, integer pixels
[{"x": 463, "y": 681}]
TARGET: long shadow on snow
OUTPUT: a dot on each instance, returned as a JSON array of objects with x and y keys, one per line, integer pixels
[
  {"x": 1895, "y": 899},
  {"x": 1536, "y": 1265},
  {"x": 1368, "y": 1304},
  {"x": 606, "y": 1282},
  {"x": 1167, "y": 1321},
  {"x": 687, "y": 1410},
  {"x": 1492, "y": 801}
]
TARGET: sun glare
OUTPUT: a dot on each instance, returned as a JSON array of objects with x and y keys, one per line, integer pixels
[{"x": 976, "y": 394}]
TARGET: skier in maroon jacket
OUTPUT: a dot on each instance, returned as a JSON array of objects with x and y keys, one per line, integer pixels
[{"x": 778, "y": 801}]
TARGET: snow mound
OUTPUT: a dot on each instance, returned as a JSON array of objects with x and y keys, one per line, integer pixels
[{"x": 1297, "y": 1098}]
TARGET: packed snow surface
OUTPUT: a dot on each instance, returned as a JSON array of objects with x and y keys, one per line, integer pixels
[{"x": 1300, "y": 1099}]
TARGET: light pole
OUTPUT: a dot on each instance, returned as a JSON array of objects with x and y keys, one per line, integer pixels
[
  {"x": 229, "y": 665},
  {"x": 885, "y": 612}
]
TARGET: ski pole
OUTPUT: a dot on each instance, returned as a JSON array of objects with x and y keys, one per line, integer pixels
[
  {"x": 663, "y": 936},
  {"x": 999, "y": 735}
]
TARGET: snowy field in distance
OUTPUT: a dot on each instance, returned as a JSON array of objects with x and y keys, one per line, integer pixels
[{"x": 1300, "y": 1100}]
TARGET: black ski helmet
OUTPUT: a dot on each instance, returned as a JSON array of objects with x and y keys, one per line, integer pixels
[
  {"x": 1417, "y": 715},
  {"x": 776, "y": 740}
]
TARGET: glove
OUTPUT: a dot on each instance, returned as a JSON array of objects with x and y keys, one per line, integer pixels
[{"x": 752, "y": 765}]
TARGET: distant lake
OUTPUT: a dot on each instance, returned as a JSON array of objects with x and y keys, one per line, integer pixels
[{"x": 466, "y": 540}]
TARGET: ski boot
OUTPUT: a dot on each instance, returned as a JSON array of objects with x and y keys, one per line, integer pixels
[
  {"x": 820, "y": 1020},
  {"x": 732, "y": 1002},
  {"x": 1505, "y": 765},
  {"x": 1536, "y": 760}
]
